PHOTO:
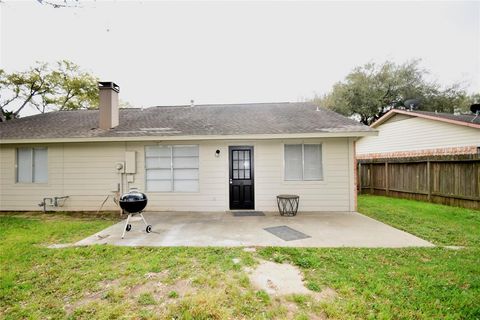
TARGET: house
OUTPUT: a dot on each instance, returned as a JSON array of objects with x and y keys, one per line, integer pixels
[
  {"x": 185, "y": 158},
  {"x": 424, "y": 156},
  {"x": 419, "y": 133}
]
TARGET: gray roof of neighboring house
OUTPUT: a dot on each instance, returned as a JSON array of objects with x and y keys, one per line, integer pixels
[
  {"x": 233, "y": 119},
  {"x": 469, "y": 118}
]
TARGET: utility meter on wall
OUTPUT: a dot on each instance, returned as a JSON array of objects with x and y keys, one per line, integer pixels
[{"x": 120, "y": 166}]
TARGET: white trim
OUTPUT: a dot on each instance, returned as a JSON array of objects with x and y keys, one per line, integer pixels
[
  {"x": 198, "y": 137},
  {"x": 351, "y": 175}
]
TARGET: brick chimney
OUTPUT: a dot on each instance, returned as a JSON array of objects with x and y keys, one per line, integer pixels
[{"x": 108, "y": 105}]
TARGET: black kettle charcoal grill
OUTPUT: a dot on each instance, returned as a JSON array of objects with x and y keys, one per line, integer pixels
[{"x": 133, "y": 202}]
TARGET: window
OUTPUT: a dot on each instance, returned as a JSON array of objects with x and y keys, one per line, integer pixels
[
  {"x": 241, "y": 164},
  {"x": 32, "y": 165},
  {"x": 303, "y": 162},
  {"x": 171, "y": 168}
]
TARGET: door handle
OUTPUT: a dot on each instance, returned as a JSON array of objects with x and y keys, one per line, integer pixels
[{"x": 231, "y": 181}]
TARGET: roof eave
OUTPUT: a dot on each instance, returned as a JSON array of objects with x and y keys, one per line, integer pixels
[
  {"x": 196, "y": 137},
  {"x": 392, "y": 112},
  {"x": 384, "y": 118}
]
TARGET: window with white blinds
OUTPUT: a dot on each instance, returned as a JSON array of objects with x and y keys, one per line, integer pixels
[
  {"x": 32, "y": 165},
  {"x": 172, "y": 168},
  {"x": 303, "y": 162}
]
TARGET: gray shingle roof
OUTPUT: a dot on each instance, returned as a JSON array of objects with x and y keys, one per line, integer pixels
[
  {"x": 468, "y": 118},
  {"x": 233, "y": 119}
]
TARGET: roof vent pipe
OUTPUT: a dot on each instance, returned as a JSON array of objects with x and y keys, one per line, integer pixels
[
  {"x": 108, "y": 105},
  {"x": 192, "y": 103}
]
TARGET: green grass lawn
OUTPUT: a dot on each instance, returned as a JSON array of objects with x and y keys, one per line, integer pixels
[
  {"x": 442, "y": 225},
  {"x": 106, "y": 282}
]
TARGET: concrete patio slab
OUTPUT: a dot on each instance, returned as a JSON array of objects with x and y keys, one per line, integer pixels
[{"x": 202, "y": 229}]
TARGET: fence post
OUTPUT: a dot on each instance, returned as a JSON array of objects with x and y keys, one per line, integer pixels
[
  {"x": 386, "y": 178},
  {"x": 371, "y": 178},
  {"x": 429, "y": 183}
]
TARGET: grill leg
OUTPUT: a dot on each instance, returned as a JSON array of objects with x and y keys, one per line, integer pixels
[
  {"x": 143, "y": 219},
  {"x": 126, "y": 224}
]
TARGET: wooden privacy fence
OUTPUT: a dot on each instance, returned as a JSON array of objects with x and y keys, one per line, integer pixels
[{"x": 451, "y": 180}]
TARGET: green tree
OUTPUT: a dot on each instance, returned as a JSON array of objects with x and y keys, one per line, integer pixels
[
  {"x": 8, "y": 94},
  {"x": 20, "y": 88},
  {"x": 474, "y": 98},
  {"x": 371, "y": 90},
  {"x": 64, "y": 87},
  {"x": 70, "y": 89}
]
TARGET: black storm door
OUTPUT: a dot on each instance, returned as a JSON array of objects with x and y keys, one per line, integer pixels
[{"x": 241, "y": 178}]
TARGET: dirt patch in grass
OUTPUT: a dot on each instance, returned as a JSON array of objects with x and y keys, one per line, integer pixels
[
  {"x": 291, "y": 308},
  {"x": 155, "y": 286},
  {"x": 160, "y": 290},
  {"x": 280, "y": 279},
  {"x": 285, "y": 282},
  {"x": 158, "y": 286},
  {"x": 326, "y": 295},
  {"x": 106, "y": 285},
  {"x": 312, "y": 316},
  {"x": 295, "y": 309}
]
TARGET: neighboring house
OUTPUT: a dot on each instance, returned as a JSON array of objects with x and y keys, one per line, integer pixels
[
  {"x": 185, "y": 158},
  {"x": 404, "y": 133},
  {"x": 424, "y": 156}
]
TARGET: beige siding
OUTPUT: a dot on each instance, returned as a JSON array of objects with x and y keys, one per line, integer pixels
[
  {"x": 213, "y": 176},
  {"x": 332, "y": 194},
  {"x": 27, "y": 196},
  {"x": 86, "y": 173},
  {"x": 402, "y": 133}
]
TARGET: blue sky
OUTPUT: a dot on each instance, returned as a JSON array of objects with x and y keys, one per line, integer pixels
[{"x": 163, "y": 53}]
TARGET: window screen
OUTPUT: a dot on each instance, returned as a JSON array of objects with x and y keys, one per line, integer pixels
[
  {"x": 303, "y": 162},
  {"x": 312, "y": 166},
  {"x": 293, "y": 162},
  {"x": 172, "y": 168},
  {"x": 32, "y": 165}
]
